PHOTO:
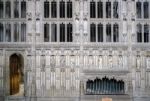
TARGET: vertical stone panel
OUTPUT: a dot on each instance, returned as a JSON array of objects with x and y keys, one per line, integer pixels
[
  {"x": 38, "y": 61},
  {"x": 1, "y": 71},
  {"x": 58, "y": 60},
  {"x": 48, "y": 78},
  {"x": 67, "y": 78},
  {"x": 148, "y": 79},
  {"x": 100, "y": 61},
  {"x": 38, "y": 78},
  {"x": 125, "y": 62},
  {"x": 47, "y": 60},
  {"x": 138, "y": 80},
  {"x": 58, "y": 78}
]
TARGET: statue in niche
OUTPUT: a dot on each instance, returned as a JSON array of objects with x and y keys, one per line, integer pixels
[
  {"x": 148, "y": 62},
  {"x": 72, "y": 61},
  {"x": 77, "y": 25},
  {"x": 90, "y": 60},
  {"x": 100, "y": 61},
  {"x": 85, "y": 26},
  {"x": 43, "y": 63},
  {"x": 38, "y": 27},
  {"x": 110, "y": 61},
  {"x": 62, "y": 61},
  {"x": 85, "y": 8},
  {"x": 120, "y": 63},
  {"x": 52, "y": 61},
  {"x": 29, "y": 16},
  {"x": 77, "y": 7},
  {"x": 138, "y": 62},
  {"x": 37, "y": 16},
  {"x": 124, "y": 31}
]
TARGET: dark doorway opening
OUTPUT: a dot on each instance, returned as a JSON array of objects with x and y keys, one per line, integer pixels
[{"x": 16, "y": 75}]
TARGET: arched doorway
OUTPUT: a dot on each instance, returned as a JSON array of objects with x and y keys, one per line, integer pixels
[{"x": 16, "y": 75}]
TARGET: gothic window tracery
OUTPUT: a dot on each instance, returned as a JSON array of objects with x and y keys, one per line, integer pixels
[
  {"x": 46, "y": 32},
  {"x": 8, "y": 9},
  {"x": 108, "y": 9},
  {"x": 62, "y": 32},
  {"x": 146, "y": 33},
  {"x": 53, "y": 9},
  {"x": 93, "y": 33},
  {"x": 139, "y": 9},
  {"x": 100, "y": 9},
  {"x": 23, "y": 32},
  {"x": 53, "y": 32},
  {"x": 100, "y": 32},
  {"x": 16, "y": 9},
  {"x": 146, "y": 9},
  {"x": 65, "y": 32},
  {"x": 142, "y": 33},
  {"x": 108, "y": 33},
  {"x": 69, "y": 9},
  {"x": 116, "y": 33},
  {"x": 139, "y": 33},
  {"x": 46, "y": 9},
  {"x": 1, "y": 32},
  {"x": 16, "y": 32},
  {"x": 92, "y": 9},
  {"x": 69, "y": 32},
  {"x": 1, "y": 9},
  {"x": 23, "y": 9},
  {"x": 115, "y": 9},
  {"x": 8, "y": 32},
  {"x": 62, "y": 9}
]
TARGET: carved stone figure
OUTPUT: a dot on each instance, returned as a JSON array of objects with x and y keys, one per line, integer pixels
[
  {"x": 100, "y": 62},
  {"x": 85, "y": 26},
  {"x": 138, "y": 62},
  {"x": 77, "y": 25},
  {"x": 148, "y": 62}
]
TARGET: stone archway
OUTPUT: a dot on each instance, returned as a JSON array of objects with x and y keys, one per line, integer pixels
[{"x": 16, "y": 74}]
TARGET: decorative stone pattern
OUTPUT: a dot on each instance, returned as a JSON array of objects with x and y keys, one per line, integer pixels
[{"x": 57, "y": 71}]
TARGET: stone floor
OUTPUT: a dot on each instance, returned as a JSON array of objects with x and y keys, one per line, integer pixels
[{"x": 21, "y": 92}]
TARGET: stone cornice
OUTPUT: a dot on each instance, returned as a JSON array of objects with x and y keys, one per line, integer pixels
[
  {"x": 99, "y": 72},
  {"x": 141, "y": 46},
  {"x": 15, "y": 45},
  {"x": 86, "y": 46}
]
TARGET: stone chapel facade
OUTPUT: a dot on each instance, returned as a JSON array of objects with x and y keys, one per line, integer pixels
[{"x": 74, "y": 50}]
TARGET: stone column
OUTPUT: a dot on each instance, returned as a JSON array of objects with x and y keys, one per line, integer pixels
[
  {"x": 1, "y": 73},
  {"x": 143, "y": 72},
  {"x": 4, "y": 32}
]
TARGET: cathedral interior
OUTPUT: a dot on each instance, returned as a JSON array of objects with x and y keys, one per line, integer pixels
[{"x": 74, "y": 50}]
